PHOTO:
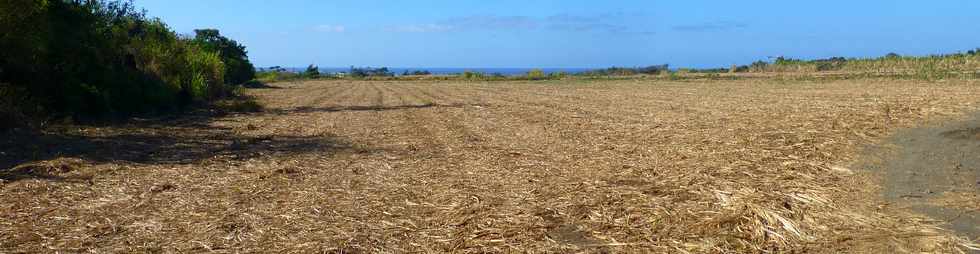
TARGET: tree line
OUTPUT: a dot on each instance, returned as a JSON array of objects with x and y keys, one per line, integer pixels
[
  {"x": 97, "y": 58},
  {"x": 889, "y": 63}
]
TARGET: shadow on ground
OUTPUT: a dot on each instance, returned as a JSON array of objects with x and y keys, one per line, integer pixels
[
  {"x": 372, "y": 108},
  {"x": 259, "y": 85},
  {"x": 173, "y": 140}
]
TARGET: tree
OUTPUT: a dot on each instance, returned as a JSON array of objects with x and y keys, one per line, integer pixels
[
  {"x": 238, "y": 69},
  {"x": 370, "y": 72},
  {"x": 312, "y": 72},
  {"x": 100, "y": 58}
]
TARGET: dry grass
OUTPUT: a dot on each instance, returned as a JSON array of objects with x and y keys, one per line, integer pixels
[{"x": 558, "y": 166}]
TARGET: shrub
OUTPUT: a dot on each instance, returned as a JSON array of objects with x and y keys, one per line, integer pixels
[
  {"x": 890, "y": 63},
  {"x": 95, "y": 58},
  {"x": 238, "y": 69},
  {"x": 558, "y": 75},
  {"x": 535, "y": 74},
  {"x": 473, "y": 75},
  {"x": 416, "y": 73},
  {"x": 312, "y": 72},
  {"x": 620, "y": 71},
  {"x": 370, "y": 72}
]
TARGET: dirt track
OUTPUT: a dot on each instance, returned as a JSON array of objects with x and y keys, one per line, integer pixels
[{"x": 375, "y": 166}]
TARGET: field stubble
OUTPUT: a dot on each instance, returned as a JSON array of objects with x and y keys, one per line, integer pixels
[{"x": 389, "y": 166}]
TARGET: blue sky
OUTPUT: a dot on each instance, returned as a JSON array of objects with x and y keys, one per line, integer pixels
[{"x": 570, "y": 33}]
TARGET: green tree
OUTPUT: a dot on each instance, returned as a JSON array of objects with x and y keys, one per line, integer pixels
[
  {"x": 312, "y": 72},
  {"x": 238, "y": 69},
  {"x": 99, "y": 57}
]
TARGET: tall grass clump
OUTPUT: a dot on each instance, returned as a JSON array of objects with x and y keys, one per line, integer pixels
[
  {"x": 276, "y": 74},
  {"x": 97, "y": 58},
  {"x": 888, "y": 64}
]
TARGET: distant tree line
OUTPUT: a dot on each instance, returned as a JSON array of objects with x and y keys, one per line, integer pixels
[
  {"x": 416, "y": 73},
  {"x": 533, "y": 74},
  {"x": 278, "y": 73},
  {"x": 363, "y": 72},
  {"x": 622, "y": 71},
  {"x": 891, "y": 62},
  {"x": 97, "y": 58}
]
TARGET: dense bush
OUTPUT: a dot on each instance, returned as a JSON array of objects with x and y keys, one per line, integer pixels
[
  {"x": 535, "y": 74},
  {"x": 473, "y": 75},
  {"x": 238, "y": 69},
  {"x": 98, "y": 58},
  {"x": 312, "y": 72},
  {"x": 416, "y": 73},
  {"x": 558, "y": 75},
  {"x": 276, "y": 74},
  {"x": 621, "y": 71},
  {"x": 370, "y": 72}
]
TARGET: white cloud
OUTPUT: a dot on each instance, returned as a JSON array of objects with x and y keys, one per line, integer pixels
[{"x": 330, "y": 28}]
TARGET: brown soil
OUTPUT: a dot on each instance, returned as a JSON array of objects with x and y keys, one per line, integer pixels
[{"x": 443, "y": 166}]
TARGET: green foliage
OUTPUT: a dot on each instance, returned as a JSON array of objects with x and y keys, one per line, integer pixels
[
  {"x": 276, "y": 74},
  {"x": 621, "y": 71},
  {"x": 312, "y": 72},
  {"x": 370, "y": 72},
  {"x": 238, "y": 69},
  {"x": 416, "y": 73},
  {"x": 94, "y": 58},
  {"x": 536, "y": 74},
  {"x": 474, "y": 75},
  {"x": 558, "y": 75},
  {"x": 890, "y": 63}
]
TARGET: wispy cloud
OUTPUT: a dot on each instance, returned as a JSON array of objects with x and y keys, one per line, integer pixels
[
  {"x": 421, "y": 28},
  {"x": 330, "y": 28},
  {"x": 589, "y": 27},
  {"x": 609, "y": 23},
  {"x": 711, "y": 26},
  {"x": 568, "y": 18},
  {"x": 598, "y": 23},
  {"x": 469, "y": 23},
  {"x": 493, "y": 22}
]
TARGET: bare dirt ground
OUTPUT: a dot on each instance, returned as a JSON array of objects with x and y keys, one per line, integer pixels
[
  {"x": 935, "y": 170},
  {"x": 452, "y": 166}
]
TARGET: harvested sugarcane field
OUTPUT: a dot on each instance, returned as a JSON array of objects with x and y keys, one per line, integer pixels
[
  {"x": 506, "y": 126},
  {"x": 629, "y": 165}
]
